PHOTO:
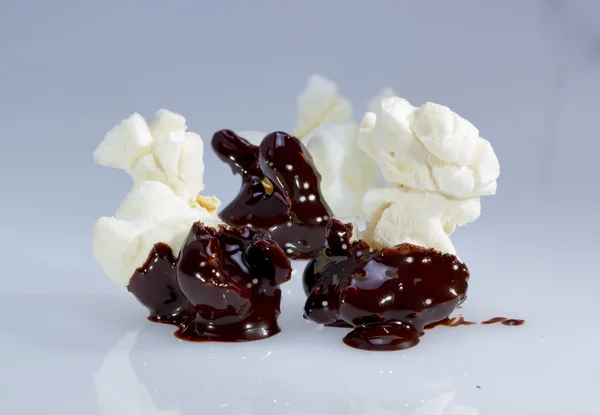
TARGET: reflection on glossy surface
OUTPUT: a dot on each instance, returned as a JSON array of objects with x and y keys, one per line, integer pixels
[
  {"x": 445, "y": 405},
  {"x": 145, "y": 374},
  {"x": 388, "y": 295},
  {"x": 118, "y": 389},
  {"x": 291, "y": 206},
  {"x": 67, "y": 358},
  {"x": 126, "y": 384}
]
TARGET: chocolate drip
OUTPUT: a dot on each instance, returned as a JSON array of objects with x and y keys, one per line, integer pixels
[
  {"x": 505, "y": 321},
  {"x": 450, "y": 322}
]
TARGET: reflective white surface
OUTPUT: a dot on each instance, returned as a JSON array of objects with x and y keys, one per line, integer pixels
[{"x": 96, "y": 354}]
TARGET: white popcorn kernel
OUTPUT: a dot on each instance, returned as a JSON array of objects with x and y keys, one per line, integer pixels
[
  {"x": 429, "y": 148},
  {"x": 125, "y": 143},
  {"x": 399, "y": 215},
  {"x": 318, "y": 104},
  {"x": 346, "y": 172},
  {"x": 165, "y": 122},
  {"x": 383, "y": 94},
  {"x": 167, "y": 167},
  {"x": 149, "y": 214},
  {"x": 162, "y": 152}
]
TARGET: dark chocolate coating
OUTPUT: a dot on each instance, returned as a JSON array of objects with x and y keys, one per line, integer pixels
[
  {"x": 387, "y": 295},
  {"x": 232, "y": 278},
  {"x": 494, "y": 320},
  {"x": 224, "y": 287},
  {"x": 294, "y": 212},
  {"x": 154, "y": 284}
]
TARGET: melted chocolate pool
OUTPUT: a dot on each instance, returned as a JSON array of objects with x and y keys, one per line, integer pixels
[
  {"x": 225, "y": 286},
  {"x": 280, "y": 191},
  {"x": 387, "y": 295}
]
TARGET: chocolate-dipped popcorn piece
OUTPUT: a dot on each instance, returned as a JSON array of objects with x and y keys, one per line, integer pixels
[
  {"x": 139, "y": 247},
  {"x": 280, "y": 191},
  {"x": 231, "y": 276},
  {"x": 387, "y": 295}
]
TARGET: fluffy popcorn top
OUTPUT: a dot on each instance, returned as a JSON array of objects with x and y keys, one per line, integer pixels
[
  {"x": 149, "y": 214},
  {"x": 429, "y": 148},
  {"x": 162, "y": 151},
  {"x": 167, "y": 167},
  {"x": 346, "y": 172},
  {"x": 436, "y": 167},
  {"x": 320, "y": 103}
]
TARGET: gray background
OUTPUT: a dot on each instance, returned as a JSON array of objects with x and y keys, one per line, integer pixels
[{"x": 526, "y": 73}]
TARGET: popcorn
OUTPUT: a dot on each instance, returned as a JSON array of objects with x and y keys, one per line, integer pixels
[
  {"x": 162, "y": 151},
  {"x": 429, "y": 148},
  {"x": 167, "y": 167},
  {"x": 383, "y": 94},
  {"x": 149, "y": 214},
  {"x": 346, "y": 172},
  {"x": 318, "y": 104},
  {"x": 436, "y": 167},
  {"x": 400, "y": 215}
]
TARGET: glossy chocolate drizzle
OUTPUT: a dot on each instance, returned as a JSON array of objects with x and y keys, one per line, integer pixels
[
  {"x": 450, "y": 322},
  {"x": 280, "y": 191},
  {"x": 505, "y": 321},
  {"x": 387, "y": 295},
  {"x": 224, "y": 287}
]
